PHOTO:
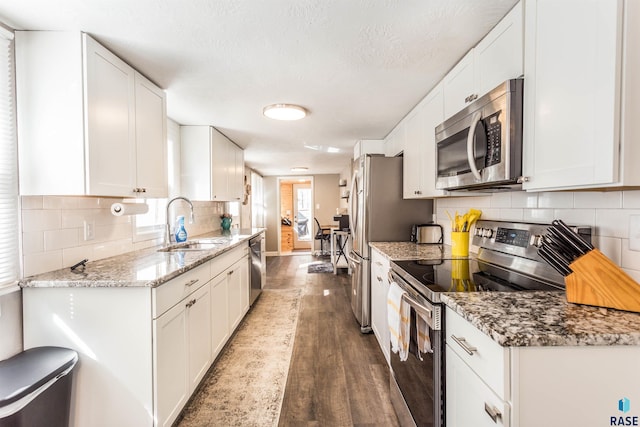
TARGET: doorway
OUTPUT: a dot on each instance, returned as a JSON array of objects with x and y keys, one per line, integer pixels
[{"x": 296, "y": 213}]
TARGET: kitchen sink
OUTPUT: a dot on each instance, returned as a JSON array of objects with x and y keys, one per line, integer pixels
[{"x": 192, "y": 246}]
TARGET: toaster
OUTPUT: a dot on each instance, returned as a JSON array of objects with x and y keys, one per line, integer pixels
[{"x": 427, "y": 233}]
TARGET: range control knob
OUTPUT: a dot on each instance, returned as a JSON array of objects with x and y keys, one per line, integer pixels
[
  {"x": 478, "y": 232},
  {"x": 487, "y": 232},
  {"x": 535, "y": 240}
]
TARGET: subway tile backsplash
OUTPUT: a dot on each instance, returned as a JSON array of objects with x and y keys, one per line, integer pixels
[
  {"x": 53, "y": 230},
  {"x": 606, "y": 212}
]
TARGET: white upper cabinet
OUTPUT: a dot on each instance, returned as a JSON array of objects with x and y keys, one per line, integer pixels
[
  {"x": 581, "y": 94},
  {"x": 212, "y": 166},
  {"x": 419, "y": 165},
  {"x": 496, "y": 58},
  {"x": 88, "y": 124},
  {"x": 394, "y": 142}
]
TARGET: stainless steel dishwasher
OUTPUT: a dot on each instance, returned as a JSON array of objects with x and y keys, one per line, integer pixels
[{"x": 255, "y": 247}]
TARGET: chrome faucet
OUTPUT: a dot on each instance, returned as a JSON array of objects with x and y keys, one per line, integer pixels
[{"x": 168, "y": 228}]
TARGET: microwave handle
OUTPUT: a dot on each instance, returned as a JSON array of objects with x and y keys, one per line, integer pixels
[{"x": 471, "y": 146}]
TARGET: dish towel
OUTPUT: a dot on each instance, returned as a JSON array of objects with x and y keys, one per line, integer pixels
[
  {"x": 398, "y": 318},
  {"x": 422, "y": 330}
]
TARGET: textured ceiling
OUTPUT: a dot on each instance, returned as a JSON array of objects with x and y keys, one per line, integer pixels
[{"x": 358, "y": 66}]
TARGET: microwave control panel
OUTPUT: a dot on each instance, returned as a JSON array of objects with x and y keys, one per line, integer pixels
[{"x": 493, "y": 128}]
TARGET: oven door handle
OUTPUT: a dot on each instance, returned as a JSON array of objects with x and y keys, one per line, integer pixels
[
  {"x": 421, "y": 309},
  {"x": 471, "y": 149}
]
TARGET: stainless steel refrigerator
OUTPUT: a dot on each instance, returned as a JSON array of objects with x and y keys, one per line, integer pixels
[{"x": 377, "y": 213}]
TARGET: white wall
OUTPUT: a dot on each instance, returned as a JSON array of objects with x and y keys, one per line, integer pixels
[
  {"x": 607, "y": 212},
  {"x": 10, "y": 324}
]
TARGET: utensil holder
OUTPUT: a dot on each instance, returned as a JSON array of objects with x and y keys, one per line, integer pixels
[
  {"x": 460, "y": 243},
  {"x": 597, "y": 281}
]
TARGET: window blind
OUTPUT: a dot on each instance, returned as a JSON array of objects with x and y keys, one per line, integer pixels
[{"x": 9, "y": 208}]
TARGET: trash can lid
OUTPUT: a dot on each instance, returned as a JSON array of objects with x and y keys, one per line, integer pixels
[{"x": 29, "y": 370}]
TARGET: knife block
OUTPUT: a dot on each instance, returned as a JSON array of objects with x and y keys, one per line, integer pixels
[{"x": 597, "y": 281}]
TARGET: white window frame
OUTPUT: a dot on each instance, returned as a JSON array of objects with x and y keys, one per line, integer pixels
[{"x": 10, "y": 265}]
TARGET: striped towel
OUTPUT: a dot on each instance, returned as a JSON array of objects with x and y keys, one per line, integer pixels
[
  {"x": 398, "y": 317},
  {"x": 422, "y": 329}
]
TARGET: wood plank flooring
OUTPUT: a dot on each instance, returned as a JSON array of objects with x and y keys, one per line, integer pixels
[{"x": 337, "y": 376}]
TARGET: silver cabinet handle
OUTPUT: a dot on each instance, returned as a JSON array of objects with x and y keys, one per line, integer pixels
[
  {"x": 191, "y": 303},
  {"x": 379, "y": 263},
  {"x": 493, "y": 412},
  {"x": 229, "y": 273},
  {"x": 191, "y": 282},
  {"x": 462, "y": 342},
  {"x": 379, "y": 279}
]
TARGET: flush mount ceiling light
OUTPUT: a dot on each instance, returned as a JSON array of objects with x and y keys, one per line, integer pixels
[
  {"x": 299, "y": 169},
  {"x": 284, "y": 112}
]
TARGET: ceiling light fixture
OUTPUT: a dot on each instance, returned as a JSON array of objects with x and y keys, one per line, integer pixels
[
  {"x": 284, "y": 112},
  {"x": 299, "y": 169}
]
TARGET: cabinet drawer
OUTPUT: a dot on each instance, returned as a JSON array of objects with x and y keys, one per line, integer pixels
[
  {"x": 488, "y": 359},
  {"x": 469, "y": 402},
  {"x": 227, "y": 259},
  {"x": 168, "y": 294},
  {"x": 379, "y": 266}
]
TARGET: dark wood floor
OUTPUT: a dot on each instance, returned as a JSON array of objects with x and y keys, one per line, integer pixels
[{"x": 337, "y": 376}]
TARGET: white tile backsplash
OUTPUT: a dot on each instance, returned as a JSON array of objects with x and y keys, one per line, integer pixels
[
  {"x": 607, "y": 212},
  {"x": 53, "y": 230}
]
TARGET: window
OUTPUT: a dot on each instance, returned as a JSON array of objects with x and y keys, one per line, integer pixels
[{"x": 9, "y": 207}]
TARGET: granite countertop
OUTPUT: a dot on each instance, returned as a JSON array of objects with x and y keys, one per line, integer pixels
[
  {"x": 519, "y": 319},
  {"x": 397, "y": 251},
  {"x": 539, "y": 318},
  {"x": 143, "y": 268}
]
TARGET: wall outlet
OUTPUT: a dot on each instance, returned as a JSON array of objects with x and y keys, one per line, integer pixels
[
  {"x": 89, "y": 230},
  {"x": 634, "y": 232}
]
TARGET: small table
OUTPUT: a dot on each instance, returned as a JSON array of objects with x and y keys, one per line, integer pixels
[{"x": 340, "y": 247}]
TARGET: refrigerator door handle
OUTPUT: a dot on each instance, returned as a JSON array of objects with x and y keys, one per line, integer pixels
[{"x": 352, "y": 203}]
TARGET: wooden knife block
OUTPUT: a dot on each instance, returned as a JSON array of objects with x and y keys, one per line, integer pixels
[{"x": 597, "y": 281}]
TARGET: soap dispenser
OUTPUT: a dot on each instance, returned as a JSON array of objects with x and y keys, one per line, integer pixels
[{"x": 181, "y": 233}]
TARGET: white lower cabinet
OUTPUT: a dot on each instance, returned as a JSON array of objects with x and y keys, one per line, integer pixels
[
  {"x": 489, "y": 385},
  {"x": 470, "y": 402},
  {"x": 219, "y": 314},
  {"x": 143, "y": 351},
  {"x": 379, "y": 290}
]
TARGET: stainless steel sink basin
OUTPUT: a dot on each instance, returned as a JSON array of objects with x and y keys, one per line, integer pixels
[{"x": 192, "y": 246}]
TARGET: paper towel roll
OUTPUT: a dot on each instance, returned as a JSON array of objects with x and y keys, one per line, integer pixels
[{"x": 119, "y": 209}]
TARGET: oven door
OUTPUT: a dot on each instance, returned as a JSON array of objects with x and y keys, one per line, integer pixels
[{"x": 416, "y": 384}]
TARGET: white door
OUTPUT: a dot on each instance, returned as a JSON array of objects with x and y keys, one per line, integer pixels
[{"x": 304, "y": 224}]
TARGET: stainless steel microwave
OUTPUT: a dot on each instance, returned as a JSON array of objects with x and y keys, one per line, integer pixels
[{"x": 481, "y": 146}]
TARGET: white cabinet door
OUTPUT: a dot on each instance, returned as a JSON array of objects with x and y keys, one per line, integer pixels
[
  {"x": 220, "y": 166},
  {"x": 433, "y": 115},
  {"x": 196, "y": 162},
  {"x": 469, "y": 401},
  {"x": 151, "y": 138},
  {"x": 236, "y": 175},
  {"x": 199, "y": 330},
  {"x": 459, "y": 86},
  {"x": 412, "y": 160},
  {"x": 219, "y": 314},
  {"x": 379, "y": 290},
  {"x": 571, "y": 111},
  {"x": 499, "y": 56},
  {"x": 496, "y": 58},
  {"x": 394, "y": 142},
  {"x": 236, "y": 305},
  {"x": 110, "y": 122},
  {"x": 171, "y": 363},
  {"x": 245, "y": 283}
]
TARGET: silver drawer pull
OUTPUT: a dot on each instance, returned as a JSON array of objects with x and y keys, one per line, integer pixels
[
  {"x": 379, "y": 279},
  {"x": 191, "y": 282},
  {"x": 493, "y": 412},
  {"x": 229, "y": 273},
  {"x": 462, "y": 342},
  {"x": 191, "y": 303},
  {"x": 379, "y": 263}
]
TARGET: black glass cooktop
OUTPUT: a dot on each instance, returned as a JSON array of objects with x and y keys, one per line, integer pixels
[{"x": 465, "y": 275}]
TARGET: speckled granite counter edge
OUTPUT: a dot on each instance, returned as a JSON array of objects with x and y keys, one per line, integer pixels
[
  {"x": 560, "y": 324},
  {"x": 48, "y": 280}
]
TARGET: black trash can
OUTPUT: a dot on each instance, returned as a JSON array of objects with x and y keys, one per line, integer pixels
[{"x": 35, "y": 387}]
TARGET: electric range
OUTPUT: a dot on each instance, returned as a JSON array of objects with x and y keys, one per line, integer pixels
[{"x": 507, "y": 261}]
